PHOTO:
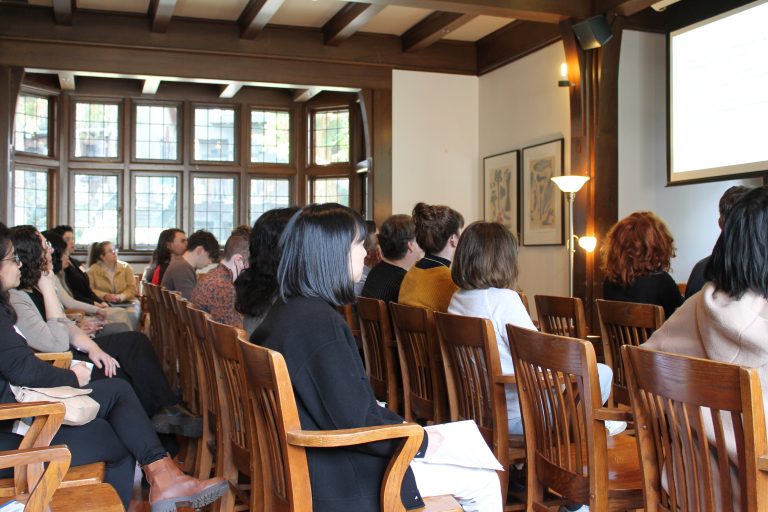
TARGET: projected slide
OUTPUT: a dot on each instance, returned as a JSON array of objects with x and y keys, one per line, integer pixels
[{"x": 719, "y": 96}]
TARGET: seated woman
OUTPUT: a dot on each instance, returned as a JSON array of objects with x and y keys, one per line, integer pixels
[
  {"x": 114, "y": 320},
  {"x": 636, "y": 259},
  {"x": 728, "y": 320},
  {"x": 112, "y": 280},
  {"x": 428, "y": 283},
  {"x": 120, "y": 435},
  {"x": 322, "y": 258},
  {"x": 128, "y": 355},
  {"x": 256, "y": 286},
  {"x": 171, "y": 243},
  {"x": 485, "y": 270},
  {"x": 77, "y": 280}
]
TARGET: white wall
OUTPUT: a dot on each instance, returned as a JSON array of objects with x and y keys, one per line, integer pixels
[
  {"x": 434, "y": 142},
  {"x": 689, "y": 210},
  {"x": 521, "y": 105}
]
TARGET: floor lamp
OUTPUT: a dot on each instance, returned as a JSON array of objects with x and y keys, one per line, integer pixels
[{"x": 570, "y": 185}]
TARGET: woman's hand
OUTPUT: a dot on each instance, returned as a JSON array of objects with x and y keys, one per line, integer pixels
[
  {"x": 101, "y": 305},
  {"x": 47, "y": 283},
  {"x": 90, "y": 325},
  {"x": 103, "y": 360},
  {"x": 112, "y": 297},
  {"x": 101, "y": 313},
  {"x": 82, "y": 372}
]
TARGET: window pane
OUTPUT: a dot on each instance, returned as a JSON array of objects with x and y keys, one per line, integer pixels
[
  {"x": 215, "y": 134},
  {"x": 331, "y": 190},
  {"x": 31, "y": 198},
  {"x": 156, "y": 201},
  {"x": 97, "y": 130},
  {"x": 331, "y": 137},
  {"x": 267, "y": 195},
  {"x": 270, "y": 136},
  {"x": 96, "y": 208},
  {"x": 31, "y": 125},
  {"x": 157, "y": 132},
  {"x": 214, "y": 206}
]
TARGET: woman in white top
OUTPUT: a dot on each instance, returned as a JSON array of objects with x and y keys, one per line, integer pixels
[{"x": 485, "y": 270}]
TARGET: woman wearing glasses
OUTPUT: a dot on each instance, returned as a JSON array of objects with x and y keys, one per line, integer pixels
[{"x": 112, "y": 280}]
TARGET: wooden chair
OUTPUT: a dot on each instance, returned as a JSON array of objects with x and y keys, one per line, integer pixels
[
  {"x": 350, "y": 316},
  {"x": 562, "y": 316},
  {"x": 476, "y": 386},
  {"x": 40, "y": 486},
  {"x": 237, "y": 451},
  {"x": 152, "y": 324},
  {"x": 424, "y": 393},
  {"x": 624, "y": 323},
  {"x": 379, "y": 350},
  {"x": 568, "y": 448},
  {"x": 185, "y": 347},
  {"x": 689, "y": 411},
  {"x": 272, "y": 410}
]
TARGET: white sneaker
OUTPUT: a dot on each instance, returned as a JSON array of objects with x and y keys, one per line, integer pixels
[{"x": 614, "y": 428}]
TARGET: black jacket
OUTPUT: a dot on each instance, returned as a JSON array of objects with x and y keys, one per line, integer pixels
[
  {"x": 78, "y": 283},
  {"x": 332, "y": 392}
]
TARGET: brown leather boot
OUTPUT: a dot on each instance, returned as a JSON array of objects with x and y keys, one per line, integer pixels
[{"x": 170, "y": 487}]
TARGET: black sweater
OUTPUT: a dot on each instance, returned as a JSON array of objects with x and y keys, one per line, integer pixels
[
  {"x": 658, "y": 288},
  {"x": 332, "y": 392},
  {"x": 78, "y": 283},
  {"x": 383, "y": 282}
]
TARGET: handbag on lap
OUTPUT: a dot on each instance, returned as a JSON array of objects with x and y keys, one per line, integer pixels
[{"x": 80, "y": 407}]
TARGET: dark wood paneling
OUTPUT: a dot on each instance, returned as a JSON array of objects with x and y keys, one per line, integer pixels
[
  {"x": 195, "y": 49},
  {"x": 160, "y": 14},
  {"x": 62, "y": 11},
  {"x": 382, "y": 154},
  {"x": 687, "y": 12},
  {"x": 622, "y": 7},
  {"x": 348, "y": 20},
  {"x": 255, "y": 16},
  {"x": 433, "y": 28},
  {"x": 549, "y": 11},
  {"x": 10, "y": 84},
  {"x": 513, "y": 42}
]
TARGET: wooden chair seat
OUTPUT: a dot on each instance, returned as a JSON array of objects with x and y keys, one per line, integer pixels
[
  {"x": 442, "y": 504},
  {"x": 624, "y": 471},
  {"x": 87, "y": 474},
  {"x": 101, "y": 497}
]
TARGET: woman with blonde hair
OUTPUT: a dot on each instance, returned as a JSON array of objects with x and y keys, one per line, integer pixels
[{"x": 636, "y": 260}]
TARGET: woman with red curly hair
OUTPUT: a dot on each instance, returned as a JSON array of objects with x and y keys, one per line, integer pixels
[{"x": 636, "y": 262}]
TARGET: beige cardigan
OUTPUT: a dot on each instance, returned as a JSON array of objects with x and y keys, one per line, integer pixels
[{"x": 124, "y": 282}]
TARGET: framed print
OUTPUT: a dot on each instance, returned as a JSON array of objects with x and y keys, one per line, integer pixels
[
  {"x": 500, "y": 185},
  {"x": 542, "y": 202}
]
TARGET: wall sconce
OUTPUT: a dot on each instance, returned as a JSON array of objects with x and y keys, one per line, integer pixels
[
  {"x": 588, "y": 243},
  {"x": 570, "y": 185},
  {"x": 564, "y": 82}
]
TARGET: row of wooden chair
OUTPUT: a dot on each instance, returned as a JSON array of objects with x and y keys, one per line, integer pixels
[{"x": 251, "y": 432}]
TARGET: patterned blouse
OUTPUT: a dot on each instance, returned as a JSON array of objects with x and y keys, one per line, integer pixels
[{"x": 214, "y": 293}]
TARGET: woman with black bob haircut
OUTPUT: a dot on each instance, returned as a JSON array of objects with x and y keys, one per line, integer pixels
[
  {"x": 256, "y": 287},
  {"x": 120, "y": 435},
  {"x": 728, "y": 319},
  {"x": 322, "y": 256}
]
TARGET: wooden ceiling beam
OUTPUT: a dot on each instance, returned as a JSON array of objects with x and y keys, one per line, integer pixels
[
  {"x": 548, "y": 11},
  {"x": 66, "y": 80},
  {"x": 255, "y": 16},
  {"x": 433, "y": 28},
  {"x": 349, "y": 20},
  {"x": 622, "y": 7},
  {"x": 160, "y": 13},
  {"x": 229, "y": 90},
  {"x": 151, "y": 85},
  {"x": 304, "y": 95},
  {"x": 513, "y": 42},
  {"x": 62, "y": 11}
]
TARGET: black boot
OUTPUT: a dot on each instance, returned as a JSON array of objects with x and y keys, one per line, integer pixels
[{"x": 177, "y": 419}]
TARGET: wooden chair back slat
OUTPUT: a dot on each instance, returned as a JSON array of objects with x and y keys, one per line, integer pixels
[
  {"x": 701, "y": 430},
  {"x": 186, "y": 346},
  {"x": 239, "y": 449},
  {"x": 625, "y": 323},
  {"x": 379, "y": 350},
  {"x": 170, "y": 338},
  {"x": 561, "y": 316}
]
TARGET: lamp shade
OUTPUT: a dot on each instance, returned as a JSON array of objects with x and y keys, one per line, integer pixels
[{"x": 570, "y": 183}]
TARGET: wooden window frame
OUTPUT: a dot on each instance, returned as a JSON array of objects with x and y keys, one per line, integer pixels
[
  {"x": 311, "y": 163},
  {"x": 120, "y": 201},
  {"x": 237, "y": 130},
  {"x": 255, "y": 176},
  {"x": 292, "y": 138},
  {"x": 51, "y": 173},
  {"x": 311, "y": 186},
  {"x": 121, "y": 120},
  {"x": 132, "y": 175},
  {"x": 180, "y": 139},
  {"x": 51, "y": 123},
  {"x": 217, "y": 175}
]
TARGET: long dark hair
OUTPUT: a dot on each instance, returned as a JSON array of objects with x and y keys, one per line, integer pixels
[
  {"x": 315, "y": 253},
  {"x": 6, "y": 249},
  {"x": 59, "y": 248},
  {"x": 739, "y": 261},
  {"x": 31, "y": 253},
  {"x": 256, "y": 287},
  {"x": 161, "y": 256}
]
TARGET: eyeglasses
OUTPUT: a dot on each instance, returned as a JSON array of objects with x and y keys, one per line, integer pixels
[
  {"x": 14, "y": 258},
  {"x": 113, "y": 251}
]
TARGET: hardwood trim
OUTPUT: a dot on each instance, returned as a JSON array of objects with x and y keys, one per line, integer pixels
[
  {"x": 381, "y": 168},
  {"x": 302, "y": 95},
  {"x": 255, "y": 16},
  {"x": 347, "y": 21},
  {"x": 432, "y": 28},
  {"x": 131, "y": 149},
  {"x": 549, "y": 11},
  {"x": 160, "y": 13},
  {"x": 121, "y": 113},
  {"x": 622, "y": 7},
  {"x": 131, "y": 224},
  {"x": 513, "y": 42},
  {"x": 63, "y": 11}
]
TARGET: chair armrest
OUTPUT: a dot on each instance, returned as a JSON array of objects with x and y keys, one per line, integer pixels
[
  {"x": 58, "y": 359},
  {"x": 608, "y": 413},
  {"x": 57, "y": 460},
  {"x": 505, "y": 379},
  {"x": 762, "y": 463},
  {"x": 352, "y": 436},
  {"x": 29, "y": 409}
]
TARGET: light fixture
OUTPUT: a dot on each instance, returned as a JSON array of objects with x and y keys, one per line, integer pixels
[
  {"x": 564, "y": 82},
  {"x": 570, "y": 185},
  {"x": 588, "y": 243}
]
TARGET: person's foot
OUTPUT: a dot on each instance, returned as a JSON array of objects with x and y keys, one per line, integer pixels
[
  {"x": 615, "y": 427},
  {"x": 169, "y": 487},
  {"x": 177, "y": 419}
]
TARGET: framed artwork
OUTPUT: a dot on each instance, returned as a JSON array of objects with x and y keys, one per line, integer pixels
[
  {"x": 501, "y": 178},
  {"x": 542, "y": 202}
]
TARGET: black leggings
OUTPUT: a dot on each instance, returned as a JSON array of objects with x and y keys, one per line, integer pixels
[
  {"x": 119, "y": 436},
  {"x": 138, "y": 365}
]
